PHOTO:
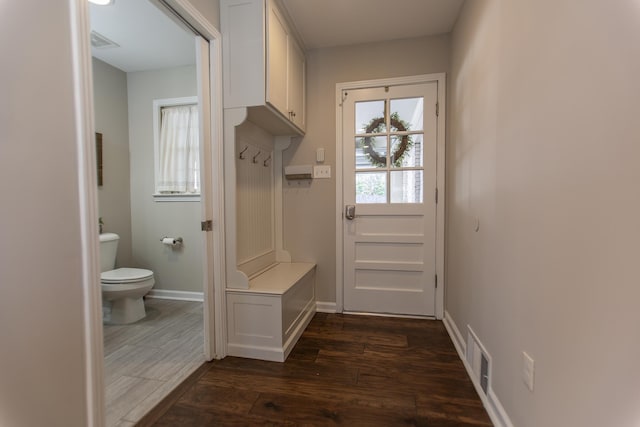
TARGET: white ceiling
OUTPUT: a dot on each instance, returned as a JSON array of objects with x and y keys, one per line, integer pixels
[
  {"x": 148, "y": 38},
  {"x": 326, "y": 23}
]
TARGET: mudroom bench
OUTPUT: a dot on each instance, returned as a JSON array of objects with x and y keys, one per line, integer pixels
[{"x": 266, "y": 320}]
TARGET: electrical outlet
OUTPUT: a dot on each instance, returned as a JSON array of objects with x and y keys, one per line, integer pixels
[
  {"x": 320, "y": 172},
  {"x": 527, "y": 370}
]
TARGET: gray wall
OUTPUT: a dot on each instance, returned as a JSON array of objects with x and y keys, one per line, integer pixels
[
  {"x": 42, "y": 332},
  {"x": 210, "y": 9},
  {"x": 111, "y": 119},
  {"x": 544, "y": 150},
  {"x": 175, "y": 269},
  {"x": 309, "y": 213}
]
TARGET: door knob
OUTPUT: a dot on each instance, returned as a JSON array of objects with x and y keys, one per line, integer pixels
[{"x": 350, "y": 212}]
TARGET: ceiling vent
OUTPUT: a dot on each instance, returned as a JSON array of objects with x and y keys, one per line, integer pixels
[{"x": 101, "y": 42}]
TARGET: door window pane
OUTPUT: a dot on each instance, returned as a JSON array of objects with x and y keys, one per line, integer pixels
[
  {"x": 406, "y": 151},
  {"x": 370, "y": 117},
  {"x": 371, "y": 152},
  {"x": 406, "y": 186},
  {"x": 371, "y": 187},
  {"x": 409, "y": 111}
]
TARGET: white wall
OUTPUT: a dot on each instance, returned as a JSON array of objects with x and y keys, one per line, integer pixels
[
  {"x": 175, "y": 269},
  {"x": 543, "y": 149},
  {"x": 309, "y": 212},
  {"x": 111, "y": 119},
  {"x": 42, "y": 366}
]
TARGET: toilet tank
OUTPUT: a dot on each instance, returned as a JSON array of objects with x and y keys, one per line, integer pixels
[{"x": 108, "y": 249}]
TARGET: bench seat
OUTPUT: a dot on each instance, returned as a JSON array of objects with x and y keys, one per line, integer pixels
[{"x": 265, "y": 321}]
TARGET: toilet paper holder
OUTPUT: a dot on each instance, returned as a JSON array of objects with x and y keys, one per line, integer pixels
[{"x": 171, "y": 240}]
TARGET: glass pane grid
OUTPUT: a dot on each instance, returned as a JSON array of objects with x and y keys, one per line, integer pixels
[{"x": 379, "y": 134}]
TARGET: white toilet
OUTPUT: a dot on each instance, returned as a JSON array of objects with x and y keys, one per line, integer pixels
[{"x": 122, "y": 288}]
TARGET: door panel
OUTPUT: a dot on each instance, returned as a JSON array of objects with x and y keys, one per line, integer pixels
[{"x": 389, "y": 143}]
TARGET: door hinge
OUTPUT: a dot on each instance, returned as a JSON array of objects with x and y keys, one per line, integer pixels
[
  {"x": 436, "y": 196},
  {"x": 437, "y": 109},
  {"x": 206, "y": 225},
  {"x": 436, "y": 281}
]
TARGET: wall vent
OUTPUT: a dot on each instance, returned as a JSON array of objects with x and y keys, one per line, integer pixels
[
  {"x": 101, "y": 42},
  {"x": 479, "y": 360}
]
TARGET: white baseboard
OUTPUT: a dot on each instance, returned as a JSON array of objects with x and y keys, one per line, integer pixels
[
  {"x": 325, "y": 307},
  {"x": 498, "y": 415},
  {"x": 458, "y": 341},
  {"x": 176, "y": 295}
]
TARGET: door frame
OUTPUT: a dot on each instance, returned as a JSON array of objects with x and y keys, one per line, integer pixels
[
  {"x": 440, "y": 79},
  {"x": 214, "y": 297}
]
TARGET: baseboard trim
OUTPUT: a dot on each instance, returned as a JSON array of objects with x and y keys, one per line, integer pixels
[
  {"x": 495, "y": 410},
  {"x": 271, "y": 354},
  {"x": 176, "y": 295},
  {"x": 326, "y": 307},
  {"x": 458, "y": 342}
]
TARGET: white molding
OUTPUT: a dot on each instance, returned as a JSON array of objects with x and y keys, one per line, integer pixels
[
  {"x": 216, "y": 301},
  {"x": 440, "y": 185},
  {"x": 233, "y": 117},
  {"x": 326, "y": 307},
  {"x": 490, "y": 401},
  {"x": 88, "y": 205},
  {"x": 339, "y": 203},
  {"x": 281, "y": 143},
  {"x": 440, "y": 78},
  {"x": 176, "y": 295},
  {"x": 184, "y": 197},
  {"x": 458, "y": 341},
  {"x": 185, "y": 10},
  {"x": 271, "y": 354}
]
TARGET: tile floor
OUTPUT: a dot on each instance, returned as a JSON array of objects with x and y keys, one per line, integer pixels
[{"x": 144, "y": 361}]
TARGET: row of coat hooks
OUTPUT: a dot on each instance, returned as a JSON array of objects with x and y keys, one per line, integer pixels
[{"x": 254, "y": 158}]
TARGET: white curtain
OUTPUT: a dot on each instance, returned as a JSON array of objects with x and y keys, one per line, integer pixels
[{"x": 179, "y": 168}]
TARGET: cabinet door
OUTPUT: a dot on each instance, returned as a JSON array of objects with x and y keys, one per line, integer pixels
[
  {"x": 277, "y": 58},
  {"x": 297, "y": 82}
]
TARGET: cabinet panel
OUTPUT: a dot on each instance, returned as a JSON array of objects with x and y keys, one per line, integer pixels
[
  {"x": 277, "y": 58},
  {"x": 296, "y": 88}
]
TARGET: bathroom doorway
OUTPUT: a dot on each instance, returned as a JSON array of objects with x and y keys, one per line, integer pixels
[{"x": 142, "y": 52}]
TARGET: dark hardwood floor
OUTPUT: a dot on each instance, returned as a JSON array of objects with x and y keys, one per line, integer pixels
[{"x": 345, "y": 370}]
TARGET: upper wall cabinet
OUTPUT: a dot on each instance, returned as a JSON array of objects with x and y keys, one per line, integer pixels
[{"x": 263, "y": 65}]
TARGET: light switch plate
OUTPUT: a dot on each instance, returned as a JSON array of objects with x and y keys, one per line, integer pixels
[{"x": 320, "y": 172}]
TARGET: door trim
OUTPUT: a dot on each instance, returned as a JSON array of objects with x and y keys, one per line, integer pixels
[{"x": 440, "y": 78}]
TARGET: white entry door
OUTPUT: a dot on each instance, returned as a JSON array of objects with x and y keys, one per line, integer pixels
[{"x": 389, "y": 192}]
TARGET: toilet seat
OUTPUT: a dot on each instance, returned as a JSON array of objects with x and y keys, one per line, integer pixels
[{"x": 125, "y": 275}]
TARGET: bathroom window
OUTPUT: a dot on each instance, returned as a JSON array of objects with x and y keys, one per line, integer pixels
[{"x": 177, "y": 149}]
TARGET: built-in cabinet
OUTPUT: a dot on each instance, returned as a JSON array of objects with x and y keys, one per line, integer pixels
[
  {"x": 285, "y": 67},
  {"x": 264, "y": 65},
  {"x": 269, "y": 299}
]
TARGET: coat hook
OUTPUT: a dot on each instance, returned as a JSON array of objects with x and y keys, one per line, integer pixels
[
  {"x": 242, "y": 152},
  {"x": 266, "y": 161},
  {"x": 256, "y": 156}
]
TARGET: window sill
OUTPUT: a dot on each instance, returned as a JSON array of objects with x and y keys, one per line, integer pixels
[{"x": 176, "y": 197}]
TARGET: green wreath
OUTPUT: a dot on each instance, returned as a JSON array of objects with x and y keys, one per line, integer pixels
[{"x": 375, "y": 126}]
